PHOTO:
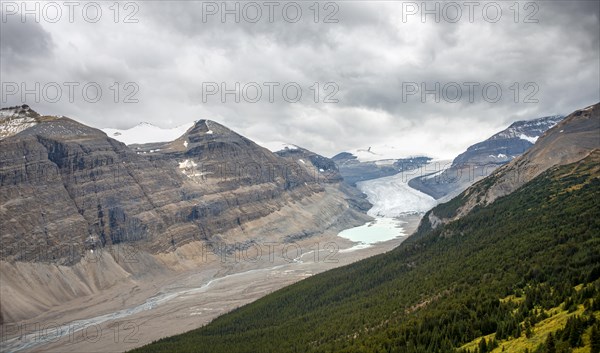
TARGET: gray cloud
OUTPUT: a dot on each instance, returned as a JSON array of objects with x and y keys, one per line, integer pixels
[
  {"x": 21, "y": 44},
  {"x": 369, "y": 53}
]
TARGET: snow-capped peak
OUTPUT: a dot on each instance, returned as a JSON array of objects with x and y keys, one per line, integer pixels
[
  {"x": 529, "y": 130},
  {"x": 276, "y": 146},
  {"x": 146, "y": 133}
]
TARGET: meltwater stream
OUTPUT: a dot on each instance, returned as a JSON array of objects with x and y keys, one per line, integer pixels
[{"x": 54, "y": 333}]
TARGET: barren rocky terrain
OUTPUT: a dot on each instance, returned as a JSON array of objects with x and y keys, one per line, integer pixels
[{"x": 188, "y": 289}]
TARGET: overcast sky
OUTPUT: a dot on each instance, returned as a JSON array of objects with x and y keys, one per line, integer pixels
[{"x": 369, "y": 60}]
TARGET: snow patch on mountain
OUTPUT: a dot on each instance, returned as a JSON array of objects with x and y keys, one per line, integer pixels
[
  {"x": 16, "y": 119},
  {"x": 528, "y": 138},
  {"x": 147, "y": 133},
  {"x": 189, "y": 169},
  {"x": 187, "y": 164},
  {"x": 385, "y": 162},
  {"x": 14, "y": 126}
]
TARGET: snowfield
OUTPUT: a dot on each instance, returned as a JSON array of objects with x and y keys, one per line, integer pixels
[
  {"x": 276, "y": 146},
  {"x": 147, "y": 133},
  {"x": 378, "y": 153}
]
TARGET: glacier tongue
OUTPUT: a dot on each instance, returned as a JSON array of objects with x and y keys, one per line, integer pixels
[{"x": 392, "y": 197}]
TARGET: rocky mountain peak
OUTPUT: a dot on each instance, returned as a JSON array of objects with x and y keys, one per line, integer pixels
[
  {"x": 529, "y": 130},
  {"x": 16, "y": 119},
  {"x": 207, "y": 138},
  {"x": 208, "y": 127}
]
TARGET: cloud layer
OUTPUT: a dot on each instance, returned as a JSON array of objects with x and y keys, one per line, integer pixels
[{"x": 370, "y": 59}]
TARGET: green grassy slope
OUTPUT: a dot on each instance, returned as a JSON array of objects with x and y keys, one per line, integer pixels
[{"x": 441, "y": 289}]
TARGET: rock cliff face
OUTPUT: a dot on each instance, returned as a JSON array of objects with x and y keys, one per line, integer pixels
[
  {"x": 69, "y": 192},
  {"x": 325, "y": 170},
  {"x": 66, "y": 188},
  {"x": 315, "y": 165}
]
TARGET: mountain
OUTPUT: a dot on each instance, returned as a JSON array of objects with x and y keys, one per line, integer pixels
[
  {"x": 354, "y": 166},
  {"x": 327, "y": 170},
  {"x": 569, "y": 141},
  {"x": 67, "y": 190},
  {"x": 501, "y": 277},
  {"x": 354, "y": 169},
  {"x": 481, "y": 159},
  {"x": 509, "y": 143}
]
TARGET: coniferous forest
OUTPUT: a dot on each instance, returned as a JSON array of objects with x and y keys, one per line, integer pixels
[{"x": 519, "y": 275}]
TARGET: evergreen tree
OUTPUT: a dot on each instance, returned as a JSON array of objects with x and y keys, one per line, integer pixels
[
  {"x": 575, "y": 334},
  {"x": 528, "y": 331},
  {"x": 550, "y": 344},
  {"x": 595, "y": 339},
  {"x": 483, "y": 346}
]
